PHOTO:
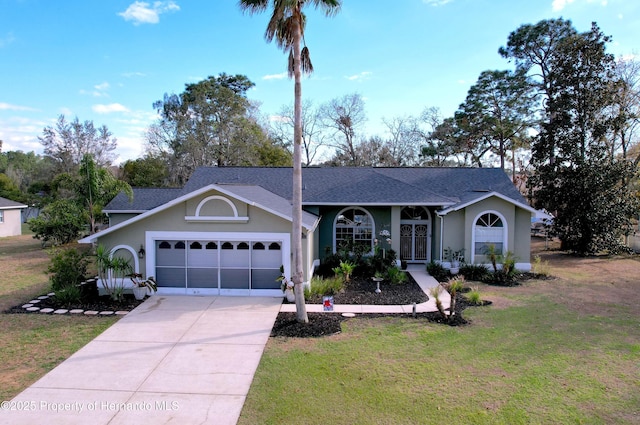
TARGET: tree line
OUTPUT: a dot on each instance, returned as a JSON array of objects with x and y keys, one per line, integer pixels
[{"x": 563, "y": 122}]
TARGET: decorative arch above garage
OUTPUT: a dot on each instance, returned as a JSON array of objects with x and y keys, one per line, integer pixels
[{"x": 216, "y": 209}]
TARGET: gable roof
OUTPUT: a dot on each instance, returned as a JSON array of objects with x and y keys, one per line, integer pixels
[
  {"x": 8, "y": 204},
  {"x": 252, "y": 195},
  {"x": 446, "y": 188}
]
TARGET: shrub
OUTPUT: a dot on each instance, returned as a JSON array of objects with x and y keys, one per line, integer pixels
[
  {"x": 69, "y": 295},
  {"x": 476, "y": 272},
  {"x": 473, "y": 297},
  {"x": 68, "y": 268},
  {"x": 325, "y": 286},
  {"x": 438, "y": 272},
  {"x": 344, "y": 270},
  {"x": 540, "y": 268},
  {"x": 59, "y": 222},
  {"x": 112, "y": 272},
  {"x": 396, "y": 276}
]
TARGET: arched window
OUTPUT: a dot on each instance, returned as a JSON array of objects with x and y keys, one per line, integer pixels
[
  {"x": 353, "y": 229},
  {"x": 490, "y": 229}
]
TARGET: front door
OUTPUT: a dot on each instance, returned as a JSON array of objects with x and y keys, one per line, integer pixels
[
  {"x": 413, "y": 242},
  {"x": 414, "y": 235}
]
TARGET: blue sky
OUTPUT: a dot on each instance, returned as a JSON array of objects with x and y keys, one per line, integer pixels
[{"x": 109, "y": 60}]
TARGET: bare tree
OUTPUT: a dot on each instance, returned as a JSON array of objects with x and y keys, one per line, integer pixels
[
  {"x": 313, "y": 138},
  {"x": 627, "y": 109},
  {"x": 403, "y": 144},
  {"x": 69, "y": 142},
  {"x": 343, "y": 117}
]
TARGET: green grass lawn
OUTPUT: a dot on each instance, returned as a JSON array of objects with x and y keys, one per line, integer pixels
[
  {"x": 33, "y": 344},
  {"x": 531, "y": 361}
]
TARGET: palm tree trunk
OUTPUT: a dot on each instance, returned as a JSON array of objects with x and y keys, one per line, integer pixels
[{"x": 301, "y": 309}]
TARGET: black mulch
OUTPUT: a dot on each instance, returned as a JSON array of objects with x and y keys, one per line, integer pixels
[
  {"x": 323, "y": 324},
  {"x": 362, "y": 291},
  {"x": 102, "y": 303}
]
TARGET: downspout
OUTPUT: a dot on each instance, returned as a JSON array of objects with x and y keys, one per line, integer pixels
[{"x": 441, "y": 235}]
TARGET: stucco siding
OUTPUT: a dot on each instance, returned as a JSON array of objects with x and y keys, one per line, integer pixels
[
  {"x": 119, "y": 218},
  {"x": 173, "y": 220},
  {"x": 522, "y": 236},
  {"x": 12, "y": 222},
  {"x": 454, "y": 232}
]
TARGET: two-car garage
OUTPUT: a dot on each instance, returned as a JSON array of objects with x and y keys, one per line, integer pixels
[{"x": 222, "y": 263}]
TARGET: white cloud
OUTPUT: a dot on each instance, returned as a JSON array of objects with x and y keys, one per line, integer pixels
[
  {"x": 280, "y": 76},
  {"x": 10, "y": 107},
  {"x": 279, "y": 118},
  {"x": 107, "y": 109},
  {"x": 436, "y": 3},
  {"x": 21, "y": 134},
  {"x": 359, "y": 77},
  {"x": 102, "y": 86},
  {"x": 141, "y": 12},
  {"x": 558, "y": 5},
  {"x": 99, "y": 90},
  {"x": 133, "y": 74}
]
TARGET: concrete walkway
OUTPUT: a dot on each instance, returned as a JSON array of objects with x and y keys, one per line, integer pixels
[
  {"x": 419, "y": 274},
  {"x": 174, "y": 359}
]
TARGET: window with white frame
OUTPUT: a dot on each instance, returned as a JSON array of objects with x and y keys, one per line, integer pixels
[
  {"x": 353, "y": 229},
  {"x": 1, "y": 216},
  {"x": 489, "y": 230}
]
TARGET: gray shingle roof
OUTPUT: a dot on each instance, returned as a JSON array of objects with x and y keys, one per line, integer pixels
[
  {"x": 144, "y": 199},
  {"x": 7, "y": 204},
  {"x": 445, "y": 187}
]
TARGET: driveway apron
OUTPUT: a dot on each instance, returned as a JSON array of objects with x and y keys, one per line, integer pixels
[{"x": 174, "y": 359}]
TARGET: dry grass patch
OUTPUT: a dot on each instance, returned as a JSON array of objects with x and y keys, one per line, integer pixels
[{"x": 33, "y": 344}]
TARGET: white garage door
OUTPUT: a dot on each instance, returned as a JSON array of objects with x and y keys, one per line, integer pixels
[{"x": 205, "y": 266}]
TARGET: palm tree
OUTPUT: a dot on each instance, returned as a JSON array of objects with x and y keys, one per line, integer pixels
[{"x": 287, "y": 26}]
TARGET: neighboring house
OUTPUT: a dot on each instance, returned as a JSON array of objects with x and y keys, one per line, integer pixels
[
  {"x": 10, "y": 217},
  {"x": 228, "y": 230}
]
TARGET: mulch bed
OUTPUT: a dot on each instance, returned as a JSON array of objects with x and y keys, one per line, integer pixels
[
  {"x": 324, "y": 324},
  {"x": 102, "y": 303},
  {"x": 362, "y": 291}
]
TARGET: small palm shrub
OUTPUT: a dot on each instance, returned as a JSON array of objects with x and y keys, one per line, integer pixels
[
  {"x": 396, "y": 276},
  {"x": 344, "y": 270}
]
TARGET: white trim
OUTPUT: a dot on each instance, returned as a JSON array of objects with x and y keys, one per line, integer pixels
[
  {"x": 152, "y": 236},
  {"x": 217, "y": 197},
  {"x": 482, "y": 198},
  {"x": 215, "y": 219},
  {"x": 381, "y": 204},
  {"x": 505, "y": 232},
  {"x": 16, "y": 207},
  {"x": 136, "y": 263}
]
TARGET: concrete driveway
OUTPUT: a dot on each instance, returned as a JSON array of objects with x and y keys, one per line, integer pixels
[{"x": 174, "y": 359}]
